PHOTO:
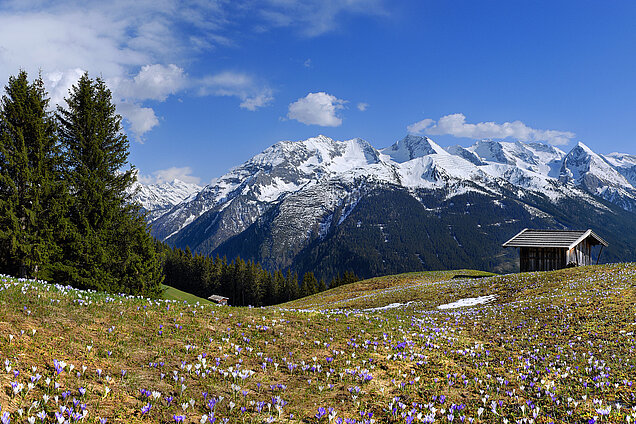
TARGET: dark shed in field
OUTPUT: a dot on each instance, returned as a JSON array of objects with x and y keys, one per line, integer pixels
[{"x": 547, "y": 250}]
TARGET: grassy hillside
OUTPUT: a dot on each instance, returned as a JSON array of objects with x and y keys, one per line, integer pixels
[
  {"x": 170, "y": 293},
  {"x": 550, "y": 347},
  {"x": 381, "y": 291}
]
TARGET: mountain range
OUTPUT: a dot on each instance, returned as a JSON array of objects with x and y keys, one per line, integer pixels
[{"x": 332, "y": 206}]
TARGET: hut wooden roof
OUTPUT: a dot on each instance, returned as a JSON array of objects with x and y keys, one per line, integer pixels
[
  {"x": 552, "y": 238},
  {"x": 217, "y": 298}
]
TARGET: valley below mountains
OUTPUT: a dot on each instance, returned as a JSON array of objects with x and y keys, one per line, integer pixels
[{"x": 331, "y": 206}]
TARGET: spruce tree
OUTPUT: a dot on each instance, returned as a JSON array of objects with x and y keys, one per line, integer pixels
[
  {"x": 335, "y": 282},
  {"x": 322, "y": 286},
  {"x": 269, "y": 289},
  {"x": 291, "y": 286},
  {"x": 279, "y": 288},
  {"x": 309, "y": 284},
  {"x": 304, "y": 288},
  {"x": 109, "y": 247},
  {"x": 349, "y": 277},
  {"x": 31, "y": 191}
]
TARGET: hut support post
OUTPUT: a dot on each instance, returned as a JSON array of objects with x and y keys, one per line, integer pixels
[{"x": 598, "y": 258}]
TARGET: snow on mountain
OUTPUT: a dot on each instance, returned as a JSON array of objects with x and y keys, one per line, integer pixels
[
  {"x": 596, "y": 174},
  {"x": 548, "y": 158},
  {"x": 319, "y": 175},
  {"x": 535, "y": 157},
  {"x": 530, "y": 166},
  {"x": 411, "y": 147},
  {"x": 284, "y": 168},
  {"x": 436, "y": 170},
  {"x": 465, "y": 154},
  {"x": 625, "y": 164},
  {"x": 491, "y": 151},
  {"x": 581, "y": 163},
  {"x": 158, "y": 198},
  {"x": 583, "y": 166},
  {"x": 303, "y": 212}
]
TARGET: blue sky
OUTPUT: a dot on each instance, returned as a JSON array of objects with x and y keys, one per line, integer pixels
[{"x": 205, "y": 85}]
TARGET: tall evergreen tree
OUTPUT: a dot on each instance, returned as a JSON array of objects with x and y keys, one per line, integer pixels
[
  {"x": 109, "y": 247},
  {"x": 31, "y": 191},
  {"x": 322, "y": 285},
  {"x": 309, "y": 284},
  {"x": 278, "y": 288},
  {"x": 335, "y": 282},
  {"x": 349, "y": 277},
  {"x": 291, "y": 286}
]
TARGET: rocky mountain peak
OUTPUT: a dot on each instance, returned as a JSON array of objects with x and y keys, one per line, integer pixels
[
  {"x": 490, "y": 151},
  {"x": 411, "y": 147}
]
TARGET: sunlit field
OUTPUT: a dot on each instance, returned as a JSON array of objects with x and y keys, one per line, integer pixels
[{"x": 543, "y": 347}]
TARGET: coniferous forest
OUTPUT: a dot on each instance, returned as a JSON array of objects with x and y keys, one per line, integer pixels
[
  {"x": 245, "y": 283},
  {"x": 67, "y": 214}
]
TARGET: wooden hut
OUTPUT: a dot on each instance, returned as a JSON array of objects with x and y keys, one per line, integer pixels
[
  {"x": 547, "y": 250},
  {"x": 219, "y": 300}
]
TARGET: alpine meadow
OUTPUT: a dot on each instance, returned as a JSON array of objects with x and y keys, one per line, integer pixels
[{"x": 317, "y": 212}]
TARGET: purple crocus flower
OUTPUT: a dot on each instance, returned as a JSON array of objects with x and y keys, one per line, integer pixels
[
  {"x": 321, "y": 413},
  {"x": 146, "y": 409}
]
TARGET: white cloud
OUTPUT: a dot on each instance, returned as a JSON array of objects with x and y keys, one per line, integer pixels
[
  {"x": 141, "y": 119},
  {"x": 455, "y": 125},
  {"x": 140, "y": 47},
  {"x": 153, "y": 82},
  {"x": 133, "y": 55},
  {"x": 362, "y": 106},
  {"x": 317, "y": 109},
  {"x": 307, "y": 63},
  {"x": 136, "y": 47},
  {"x": 420, "y": 126},
  {"x": 254, "y": 102},
  {"x": 170, "y": 174},
  {"x": 313, "y": 18},
  {"x": 60, "y": 82},
  {"x": 236, "y": 84}
]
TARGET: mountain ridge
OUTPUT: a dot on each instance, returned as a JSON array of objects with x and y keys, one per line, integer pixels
[{"x": 303, "y": 191}]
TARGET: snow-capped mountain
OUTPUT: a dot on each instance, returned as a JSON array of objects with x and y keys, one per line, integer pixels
[
  {"x": 596, "y": 174},
  {"x": 158, "y": 198},
  {"x": 535, "y": 157},
  {"x": 288, "y": 203},
  {"x": 411, "y": 147},
  {"x": 246, "y": 191},
  {"x": 625, "y": 164}
]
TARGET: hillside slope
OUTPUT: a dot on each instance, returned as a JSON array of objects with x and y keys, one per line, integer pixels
[
  {"x": 545, "y": 347},
  {"x": 170, "y": 293}
]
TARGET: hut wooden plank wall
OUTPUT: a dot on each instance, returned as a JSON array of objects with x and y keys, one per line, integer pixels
[{"x": 547, "y": 250}]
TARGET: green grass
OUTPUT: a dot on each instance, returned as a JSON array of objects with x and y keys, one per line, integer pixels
[
  {"x": 551, "y": 347},
  {"x": 170, "y": 293}
]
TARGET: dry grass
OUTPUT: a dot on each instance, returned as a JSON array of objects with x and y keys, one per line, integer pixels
[{"x": 552, "y": 347}]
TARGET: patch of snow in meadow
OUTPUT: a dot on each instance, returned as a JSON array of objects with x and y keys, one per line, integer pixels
[
  {"x": 389, "y": 306},
  {"x": 469, "y": 301}
]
